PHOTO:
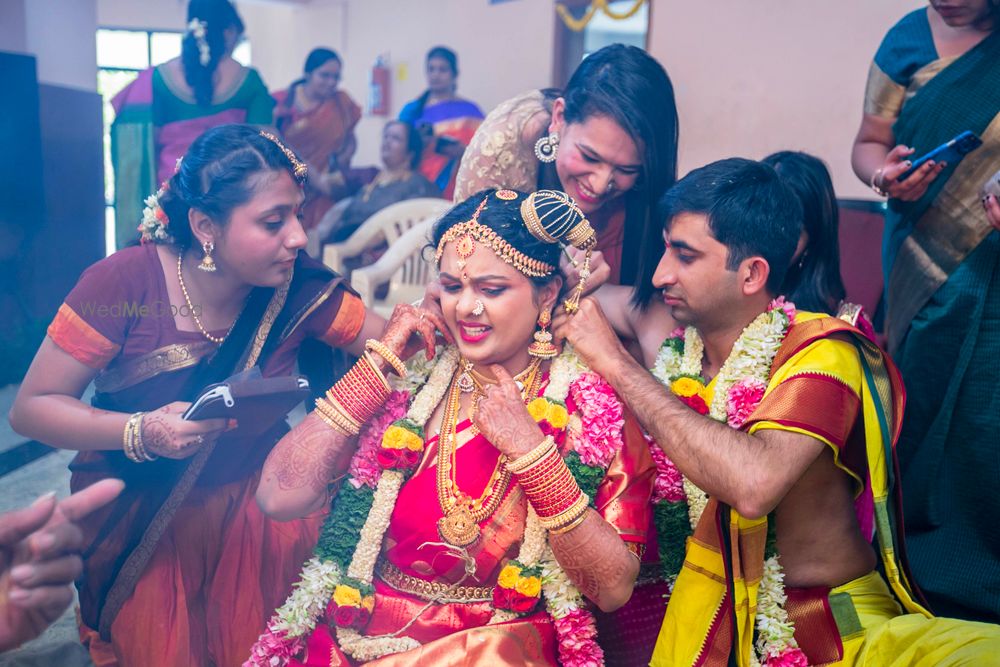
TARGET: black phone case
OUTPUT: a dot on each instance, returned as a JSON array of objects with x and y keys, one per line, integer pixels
[{"x": 258, "y": 403}]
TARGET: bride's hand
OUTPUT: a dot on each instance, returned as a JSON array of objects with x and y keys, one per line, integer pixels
[
  {"x": 504, "y": 420},
  {"x": 410, "y": 328}
]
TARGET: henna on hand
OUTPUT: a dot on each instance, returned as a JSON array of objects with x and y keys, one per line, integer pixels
[
  {"x": 597, "y": 561},
  {"x": 305, "y": 457},
  {"x": 504, "y": 420}
]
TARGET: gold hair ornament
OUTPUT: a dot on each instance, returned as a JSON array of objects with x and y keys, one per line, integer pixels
[
  {"x": 465, "y": 234},
  {"x": 299, "y": 167}
]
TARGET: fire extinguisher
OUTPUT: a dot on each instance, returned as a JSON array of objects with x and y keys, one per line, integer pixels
[{"x": 378, "y": 88}]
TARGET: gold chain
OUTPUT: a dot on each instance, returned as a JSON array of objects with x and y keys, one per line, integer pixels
[
  {"x": 450, "y": 496},
  {"x": 187, "y": 300}
]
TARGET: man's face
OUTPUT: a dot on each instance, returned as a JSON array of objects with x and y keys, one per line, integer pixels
[{"x": 697, "y": 287}]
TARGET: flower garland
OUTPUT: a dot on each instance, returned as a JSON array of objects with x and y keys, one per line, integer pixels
[
  {"x": 337, "y": 582},
  {"x": 153, "y": 227},
  {"x": 739, "y": 388}
]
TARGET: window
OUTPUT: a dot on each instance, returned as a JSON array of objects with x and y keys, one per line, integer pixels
[
  {"x": 121, "y": 55},
  {"x": 572, "y": 46}
]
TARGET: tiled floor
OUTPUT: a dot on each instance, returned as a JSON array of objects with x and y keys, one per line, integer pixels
[{"x": 58, "y": 646}]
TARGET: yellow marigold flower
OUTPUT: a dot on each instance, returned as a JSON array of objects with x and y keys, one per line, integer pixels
[
  {"x": 413, "y": 441},
  {"x": 529, "y": 586},
  {"x": 347, "y": 596},
  {"x": 396, "y": 437},
  {"x": 538, "y": 409},
  {"x": 558, "y": 416},
  {"x": 686, "y": 387},
  {"x": 509, "y": 576},
  {"x": 369, "y": 603}
]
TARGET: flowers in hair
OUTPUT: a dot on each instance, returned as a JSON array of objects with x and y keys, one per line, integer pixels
[{"x": 198, "y": 30}]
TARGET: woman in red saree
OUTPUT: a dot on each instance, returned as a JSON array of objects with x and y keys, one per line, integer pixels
[
  {"x": 318, "y": 120},
  {"x": 183, "y": 569},
  {"x": 547, "y": 476}
]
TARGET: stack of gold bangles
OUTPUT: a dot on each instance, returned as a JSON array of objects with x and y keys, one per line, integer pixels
[
  {"x": 360, "y": 393},
  {"x": 549, "y": 485},
  {"x": 132, "y": 443}
]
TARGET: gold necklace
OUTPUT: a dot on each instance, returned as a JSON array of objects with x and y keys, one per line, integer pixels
[
  {"x": 187, "y": 299},
  {"x": 462, "y": 514}
]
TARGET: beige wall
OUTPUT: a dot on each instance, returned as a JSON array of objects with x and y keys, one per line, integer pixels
[
  {"x": 502, "y": 49},
  {"x": 59, "y": 33},
  {"x": 756, "y": 77}
]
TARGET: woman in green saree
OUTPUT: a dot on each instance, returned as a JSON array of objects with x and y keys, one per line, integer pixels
[{"x": 937, "y": 74}]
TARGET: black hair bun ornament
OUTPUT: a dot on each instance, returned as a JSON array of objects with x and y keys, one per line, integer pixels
[{"x": 553, "y": 217}]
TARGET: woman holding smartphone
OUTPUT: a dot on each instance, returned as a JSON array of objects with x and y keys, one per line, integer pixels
[{"x": 936, "y": 75}]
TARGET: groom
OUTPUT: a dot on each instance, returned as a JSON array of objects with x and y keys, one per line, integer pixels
[{"x": 792, "y": 452}]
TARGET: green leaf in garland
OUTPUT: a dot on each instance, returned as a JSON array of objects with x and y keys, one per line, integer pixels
[
  {"x": 588, "y": 477},
  {"x": 673, "y": 527},
  {"x": 676, "y": 344},
  {"x": 341, "y": 531},
  {"x": 411, "y": 426},
  {"x": 771, "y": 545}
]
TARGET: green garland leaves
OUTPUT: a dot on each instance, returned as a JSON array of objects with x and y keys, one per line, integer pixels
[
  {"x": 339, "y": 536},
  {"x": 588, "y": 477},
  {"x": 673, "y": 527}
]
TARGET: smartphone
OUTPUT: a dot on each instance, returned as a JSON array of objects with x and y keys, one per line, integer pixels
[
  {"x": 950, "y": 152},
  {"x": 444, "y": 142}
]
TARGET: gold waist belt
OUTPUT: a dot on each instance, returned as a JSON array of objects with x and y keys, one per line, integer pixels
[{"x": 432, "y": 591}]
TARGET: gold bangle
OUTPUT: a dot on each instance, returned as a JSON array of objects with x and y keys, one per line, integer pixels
[
  {"x": 525, "y": 461},
  {"x": 128, "y": 440},
  {"x": 325, "y": 409},
  {"x": 390, "y": 357},
  {"x": 567, "y": 517},
  {"x": 137, "y": 443},
  {"x": 376, "y": 370},
  {"x": 338, "y": 407},
  {"x": 571, "y": 525},
  {"x": 332, "y": 424}
]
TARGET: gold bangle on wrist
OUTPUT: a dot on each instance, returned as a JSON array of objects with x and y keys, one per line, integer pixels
[
  {"x": 375, "y": 369},
  {"x": 335, "y": 418},
  {"x": 390, "y": 357},
  {"x": 564, "y": 519},
  {"x": 332, "y": 424},
  {"x": 525, "y": 461},
  {"x": 571, "y": 525}
]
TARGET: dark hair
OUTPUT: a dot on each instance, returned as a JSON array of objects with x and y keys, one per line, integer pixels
[
  {"x": 504, "y": 217},
  {"x": 319, "y": 57},
  {"x": 216, "y": 176},
  {"x": 449, "y": 56},
  {"x": 627, "y": 85},
  {"x": 750, "y": 210},
  {"x": 813, "y": 282},
  {"x": 414, "y": 143},
  {"x": 218, "y": 16}
]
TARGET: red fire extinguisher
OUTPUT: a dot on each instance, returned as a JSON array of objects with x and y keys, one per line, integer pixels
[{"x": 378, "y": 89}]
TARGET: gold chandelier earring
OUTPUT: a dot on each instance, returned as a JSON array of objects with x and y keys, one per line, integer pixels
[
  {"x": 207, "y": 263},
  {"x": 547, "y": 147},
  {"x": 543, "y": 348}
]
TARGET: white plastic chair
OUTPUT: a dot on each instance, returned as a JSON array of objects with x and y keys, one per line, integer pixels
[
  {"x": 390, "y": 224},
  {"x": 322, "y": 229},
  {"x": 406, "y": 265}
]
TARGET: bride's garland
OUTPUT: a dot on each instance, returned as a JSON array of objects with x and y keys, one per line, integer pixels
[
  {"x": 337, "y": 582},
  {"x": 678, "y": 503}
]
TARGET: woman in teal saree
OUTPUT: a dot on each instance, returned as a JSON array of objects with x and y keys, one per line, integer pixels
[{"x": 937, "y": 74}]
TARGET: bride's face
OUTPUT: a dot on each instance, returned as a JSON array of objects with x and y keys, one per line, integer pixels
[{"x": 511, "y": 304}]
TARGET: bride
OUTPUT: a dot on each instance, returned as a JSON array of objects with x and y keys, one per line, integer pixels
[{"x": 486, "y": 500}]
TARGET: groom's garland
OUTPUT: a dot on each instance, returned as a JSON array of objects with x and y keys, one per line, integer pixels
[
  {"x": 678, "y": 503},
  {"x": 336, "y": 584}
]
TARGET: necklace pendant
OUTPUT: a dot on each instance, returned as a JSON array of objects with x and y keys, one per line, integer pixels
[
  {"x": 466, "y": 383},
  {"x": 458, "y": 527}
]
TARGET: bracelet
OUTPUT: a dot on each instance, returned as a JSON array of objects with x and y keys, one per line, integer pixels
[
  {"x": 522, "y": 463},
  {"x": 342, "y": 430},
  {"x": 553, "y": 491},
  {"x": 876, "y": 183},
  {"x": 573, "y": 524},
  {"x": 360, "y": 393},
  {"x": 138, "y": 444},
  {"x": 566, "y": 519},
  {"x": 374, "y": 372},
  {"x": 127, "y": 441},
  {"x": 390, "y": 357},
  {"x": 335, "y": 418},
  {"x": 132, "y": 443}
]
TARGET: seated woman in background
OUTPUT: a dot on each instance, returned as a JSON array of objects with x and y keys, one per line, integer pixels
[
  {"x": 609, "y": 140},
  {"x": 446, "y": 121},
  {"x": 486, "y": 539},
  {"x": 396, "y": 182},
  {"x": 318, "y": 120},
  {"x": 158, "y": 115}
]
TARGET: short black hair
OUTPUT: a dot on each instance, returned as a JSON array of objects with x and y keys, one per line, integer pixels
[{"x": 750, "y": 209}]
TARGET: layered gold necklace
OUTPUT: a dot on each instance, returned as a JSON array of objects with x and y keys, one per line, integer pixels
[{"x": 462, "y": 514}]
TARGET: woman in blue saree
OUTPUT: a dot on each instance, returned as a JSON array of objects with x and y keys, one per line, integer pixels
[{"x": 937, "y": 74}]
